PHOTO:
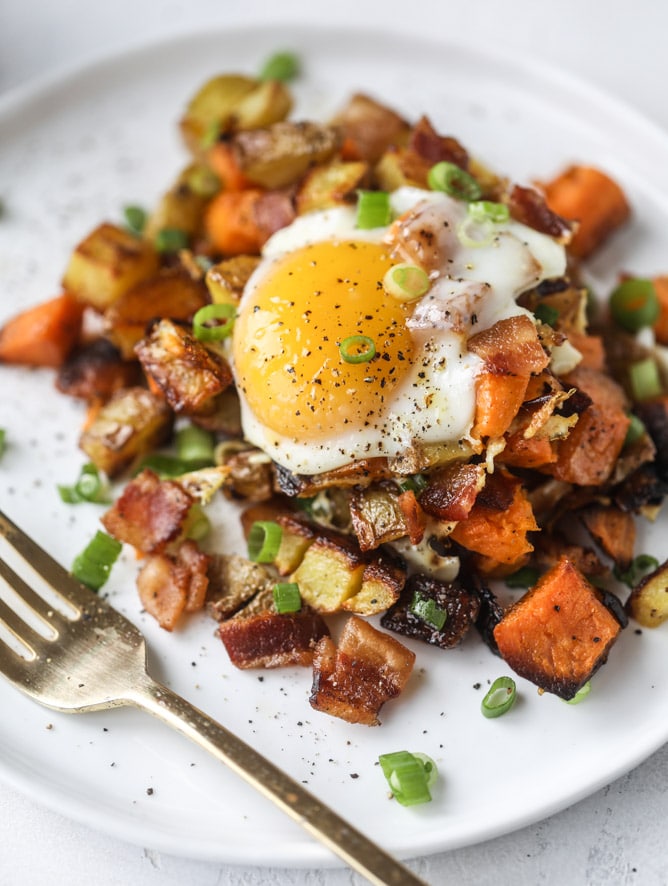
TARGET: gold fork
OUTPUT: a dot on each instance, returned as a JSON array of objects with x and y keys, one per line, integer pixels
[{"x": 94, "y": 658}]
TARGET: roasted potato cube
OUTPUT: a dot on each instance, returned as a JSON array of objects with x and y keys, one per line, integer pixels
[
  {"x": 251, "y": 475},
  {"x": 189, "y": 374},
  {"x": 390, "y": 174},
  {"x": 330, "y": 185},
  {"x": 377, "y": 517},
  {"x": 559, "y": 633},
  {"x": 354, "y": 680},
  {"x": 150, "y": 514},
  {"x": 330, "y": 572},
  {"x": 182, "y": 206},
  {"x": 461, "y": 610},
  {"x": 370, "y": 127},
  {"x": 382, "y": 581},
  {"x": 297, "y": 537},
  {"x": 230, "y": 102},
  {"x": 648, "y": 602},
  {"x": 171, "y": 293},
  {"x": 280, "y": 154},
  {"x": 233, "y": 582},
  {"x": 96, "y": 371},
  {"x": 272, "y": 640},
  {"x": 227, "y": 280},
  {"x": 131, "y": 424},
  {"x": 107, "y": 263}
]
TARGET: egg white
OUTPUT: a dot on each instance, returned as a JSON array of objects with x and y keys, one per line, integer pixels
[{"x": 474, "y": 288}]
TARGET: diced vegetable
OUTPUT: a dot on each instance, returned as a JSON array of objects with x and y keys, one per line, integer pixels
[{"x": 44, "y": 335}]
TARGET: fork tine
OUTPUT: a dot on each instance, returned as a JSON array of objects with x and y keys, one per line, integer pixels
[
  {"x": 49, "y": 616},
  {"x": 56, "y": 576},
  {"x": 24, "y": 633}
]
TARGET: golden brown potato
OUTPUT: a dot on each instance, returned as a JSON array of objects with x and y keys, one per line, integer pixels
[
  {"x": 330, "y": 185},
  {"x": 226, "y": 280},
  {"x": 182, "y": 206},
  {"x": 648, "y": 602},
  {"x": 106, "y": 264}
]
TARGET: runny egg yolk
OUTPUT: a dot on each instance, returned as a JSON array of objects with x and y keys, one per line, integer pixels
[{"x": 289, "y": 330}]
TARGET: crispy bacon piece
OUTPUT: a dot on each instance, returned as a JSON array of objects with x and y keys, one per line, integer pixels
[
  {"x": 272, "y": 640},
  {"x": 461, "y": 608},
  {"x": 510, "y": 346},
  {"x": 452, "y": 491},
  {"x": 528, "y": 206},
  {"x": 149, "y": 514},
  {"x": 354, "y": 680},
  {"x": 170, "y": 585}
]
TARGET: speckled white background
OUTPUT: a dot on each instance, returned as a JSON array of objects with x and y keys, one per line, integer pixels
[{"x": 617, "y": 835}]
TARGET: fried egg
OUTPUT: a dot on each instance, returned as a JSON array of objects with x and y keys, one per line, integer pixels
[{"x": 321, "y": 282}]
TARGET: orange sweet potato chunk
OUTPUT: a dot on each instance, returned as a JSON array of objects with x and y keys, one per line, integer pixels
[
  {"x": 43, "y": 335},
  {"x": 559, "y": 633}
]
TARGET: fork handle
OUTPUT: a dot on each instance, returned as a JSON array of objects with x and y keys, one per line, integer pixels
[{"x": 324, "y": 824}]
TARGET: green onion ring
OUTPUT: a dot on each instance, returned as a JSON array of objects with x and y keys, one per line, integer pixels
[
  {"x": 409, "y": 776},
  {"x": 264, "y": 540},
  {"x": 287, "y": 597},
  {"x": 373, "y": 209},
  {"x": 500, "y": 698},
  {"x": 214, "y": 322},
  {"x": 456, "y": 182},
  {"x": 366, "y": 352},
  {"x": 634, "y": 304},
  {"x": 406, "y": 282},
  {"x": 487, "y": 210}
]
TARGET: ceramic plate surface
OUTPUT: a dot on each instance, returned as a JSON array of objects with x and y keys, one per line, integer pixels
[{"x": 74, "y": 152}]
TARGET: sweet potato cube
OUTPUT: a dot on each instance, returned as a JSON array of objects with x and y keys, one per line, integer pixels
[
  {"x": 107, "y": 263},
  {"x": 559, "y": 633},
  {"x": 271, "y": 640},
  {"x": 43, "y": 335},
  {"x": 330, "y": 572},
  {"x": 131, "y": 424},
  {"x": 354, "y": 680}
]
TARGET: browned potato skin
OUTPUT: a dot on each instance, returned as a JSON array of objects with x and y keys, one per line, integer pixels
[
  {"x": 130, "y": 425},
  {"x": 331, "y": 185},
  {"x": 648, "y": 603}
]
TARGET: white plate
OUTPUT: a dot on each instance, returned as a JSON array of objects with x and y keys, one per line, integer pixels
[{"x": 75, "y": 151}]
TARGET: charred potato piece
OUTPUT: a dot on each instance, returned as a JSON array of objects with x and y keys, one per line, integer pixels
[
  {"x": 96, "y": 371},
  {"x": 559, "y": 633},
  {"x": 223, "y": 414},
  {"x": 251, "y": 476},
  {"x": 189, "y": 374},
  {"x": 107, "y": 263},
  {"x": 390, "y": 172},
  {"x": 130, "y": 425},
  {"x": 330, "y": 185},
  {"x": 233, "y": 582},
  {"x": 272, "y": 640},
  {"x": 382, "y": 581},
  {"x": 354, "y": 680},
  {"x": 377, "y": 516},
  {"x": 330, "y": 572},
  {"x": 172, "y": 293},
  {"x": 460, "y": 606},
  {"x": 229, "y": 102},
  {"x": 281, "y": 154},
  {"x": 297, "y": 536},
  {"x": 227, "y": 280},
  {"x": 648, "y": 602},
  {"x": 370, "y": 127}
]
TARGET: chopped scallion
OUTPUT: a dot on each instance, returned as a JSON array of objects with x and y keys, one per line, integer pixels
[
  {"x": 203, "y": 181},
  {"x": 406, "y": 282},
  {"x": 428, "y": 610},
  {"x": 357, "y": 349},
  {"x": 644, "y": 379},
  {"x": 525, "y": 577},
  {"x": 635, "y": 430},
  {"x": 500, "y": 698},
  {"x": 171, "y": 240},
  {"x": 135, "y": 219},
  {"x": 409, "y": 776},
  {"x": 283, "y": 66},
  {"x": 640, "y": 566},
  {"x": 195, "y": 446},
  {"x": 415, "y": 483},
  {"x": 475, "y": 234},
  {"x": 546, "y": 314},
  {"x": 3, "y": 441},
  {"x": 197, "y": 523},
  {"x": 287, "y": 597},
  {"x": 456, "y": 182},
  {"x": 211, "y": 135},
  {"x": 90, "y": 486},
  {"x": 264, "y": 540},
  {"x": 93, "y": 565},
  {"x": 214, "y": 322},
  {"x": 581, "y": 694},
  {"x": 373, "y": 209},
  {"x": 634, "y": 304},
  {"x": 486, "y": 210}
]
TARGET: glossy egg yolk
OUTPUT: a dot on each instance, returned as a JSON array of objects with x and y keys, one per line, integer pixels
[{"x": 288, "y": 336}]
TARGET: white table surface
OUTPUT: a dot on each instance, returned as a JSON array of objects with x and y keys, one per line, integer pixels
[{"x": 617, "y": 836}]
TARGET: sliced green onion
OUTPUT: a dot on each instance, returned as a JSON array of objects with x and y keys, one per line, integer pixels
[
  {"x": 373, "y": 209},
  {"x": 475, "y": 234},
  {"x": 197, "y": 524},
  {"x": 357, "y": 349},
  {"x": 454, "y": 181},
  {"x": 640, "y": 566},
  {"x": 3, "y": 441},
  {"x": 546, "y": 314},
  {"x": 90, "y": 486},
  {"x": 634, "y": 305},
  {"x": 171, "y": 240},
  {"x": 486, "y": 210},
  {"x": 581, "y": 694},
  {"x": 93, "y": 565},
  {"x": 164, "y": 465},
  {"x": 525, "y": 577},
  {"x": 500, "y": 698},
  {"x": 195, "y": 446},
  {"x": 211, "y": 135},
  {"x": 428, "y": 610},
  {"x": 644, "y": 379},
  {"x": 634, "y": 431},
  {"x": 415, "y": 483},
  {"x": 406, "y": 282},
  {"x": 203, "y": 181},
  {"x": 409, "y": 776},
  {"x": 264, "y": 540},
  {"x": 287, "y": 597},
  {"x": 214, "y": 322},
  {"x": 282, "y": 66},
  {"x": 135, "y": 219}
]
